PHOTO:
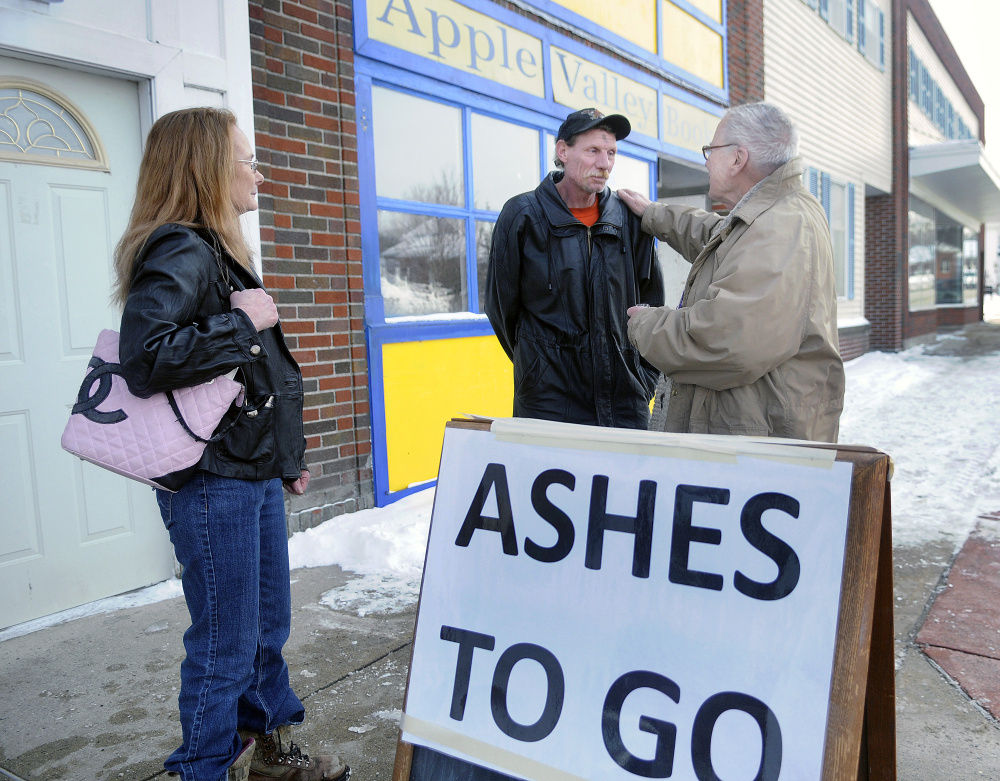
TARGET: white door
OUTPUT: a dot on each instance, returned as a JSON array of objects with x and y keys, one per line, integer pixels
[{"x": 69, "y": 532}]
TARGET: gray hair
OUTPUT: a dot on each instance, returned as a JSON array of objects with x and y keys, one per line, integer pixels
[{"x": 765, "y": 131}]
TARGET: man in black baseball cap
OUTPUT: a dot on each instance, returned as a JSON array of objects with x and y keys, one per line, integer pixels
[{"x": 566, "y": 261}]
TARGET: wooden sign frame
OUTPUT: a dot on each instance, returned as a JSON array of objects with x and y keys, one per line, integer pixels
[{"x": 860, "y": 742}]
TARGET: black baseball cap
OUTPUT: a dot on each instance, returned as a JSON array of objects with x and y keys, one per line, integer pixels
[{"x": 587, "y": 119}]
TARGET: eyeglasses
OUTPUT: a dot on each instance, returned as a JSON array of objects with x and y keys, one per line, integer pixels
[
  {"x": 707, "y": 150},
  {"x": 252, "y": 162}
]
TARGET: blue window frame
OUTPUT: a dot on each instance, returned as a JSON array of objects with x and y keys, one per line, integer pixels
[{"x": 399, "y": 221}]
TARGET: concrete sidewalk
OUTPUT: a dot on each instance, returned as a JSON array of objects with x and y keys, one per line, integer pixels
[
  {"x": 95, "y": 698},
  {"x": 942, "y": 730}
]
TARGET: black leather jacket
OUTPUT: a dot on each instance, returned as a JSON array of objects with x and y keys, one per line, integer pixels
[
  {"x": 557, "y": 292},
  {"x": 178, "y": 329}
]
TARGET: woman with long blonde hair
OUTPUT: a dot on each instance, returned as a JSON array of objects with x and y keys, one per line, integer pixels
[{"x": 193, "y": 310}]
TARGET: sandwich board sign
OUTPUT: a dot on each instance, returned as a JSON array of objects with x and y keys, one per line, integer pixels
[{"x": 605, "y": 604}]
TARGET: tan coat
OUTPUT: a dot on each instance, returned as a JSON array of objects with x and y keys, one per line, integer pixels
[{"x": 753, "y": 350}]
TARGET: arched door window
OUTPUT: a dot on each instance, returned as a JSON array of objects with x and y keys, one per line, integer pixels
[{"x": 39, "y": 125}]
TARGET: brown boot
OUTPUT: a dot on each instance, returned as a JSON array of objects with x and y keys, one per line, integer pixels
[
  {"x": 240, "y": 769},
  {"x": 277, "y": 758}
]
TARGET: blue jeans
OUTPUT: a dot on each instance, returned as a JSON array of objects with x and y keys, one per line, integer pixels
[{"x": 231, "y": 538}]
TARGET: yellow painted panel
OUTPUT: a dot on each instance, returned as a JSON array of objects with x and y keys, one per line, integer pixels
[
  {"x": 579, "y": 83},
  {"x": 712, "y": 8},
  {"x": 690, "y": 45},
  {"x": 449, "y": 33},
  {"x": 633, "y": 20},
  {"x": 686, "y": 126},
  {"x": 429, "y": 383}
]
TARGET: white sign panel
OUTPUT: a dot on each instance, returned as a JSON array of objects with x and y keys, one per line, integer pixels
[{"x": 589, "y": 614}]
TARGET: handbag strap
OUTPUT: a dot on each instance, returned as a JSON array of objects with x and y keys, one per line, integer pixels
[{"x": 187, "y": 428}]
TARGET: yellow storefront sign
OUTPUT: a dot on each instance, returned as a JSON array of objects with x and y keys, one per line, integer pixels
[
  {"x": 447, "y": 32},
  {"x": 579, "y": 83},
  {"x": 686, "y": 126},
  {"x": 633, "y": 20},
  {"x": 691, "y": 45},
  {"x": 712, "y": 8}
]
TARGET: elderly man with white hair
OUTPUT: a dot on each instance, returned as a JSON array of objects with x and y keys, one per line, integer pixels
[{"x": 752, "y": 347}]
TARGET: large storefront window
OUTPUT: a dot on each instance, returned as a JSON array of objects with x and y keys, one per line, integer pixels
[
  {"x": 504, "y": 161},
  {"x": 921, "y": 260},
  {"x": 970, "y": 271},
  {"x": 442, "y": 174},
  {"x": 422, "y": 260},
  {"x": 418, "y": 149},
  {"x": 440, "y": 169},
  {"x": 944, "y": 259},
  {"x": 436, "y": 171},
  {"x": 948, "y": 272}
]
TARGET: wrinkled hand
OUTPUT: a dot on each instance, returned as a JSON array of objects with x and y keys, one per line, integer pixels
[
  {"x": 633, "y": 310},
  {"x": 258, "y": 305},
  {"x": 637, "y": 202},
  {"x": 297, "y": 487}
]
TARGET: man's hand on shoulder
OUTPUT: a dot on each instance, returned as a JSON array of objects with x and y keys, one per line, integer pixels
[{"x": 637, "y": 202}]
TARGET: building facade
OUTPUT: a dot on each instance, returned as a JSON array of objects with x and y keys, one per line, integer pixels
[
  {"x": 394, "y": 131},
  {"x": 391, "y": 132}
]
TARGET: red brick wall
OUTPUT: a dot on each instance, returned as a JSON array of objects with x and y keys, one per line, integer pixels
[
  {"x": 883, "y": 273},
  {"x": 745, "y": 27},
  {"x": 919, "y": 324},
  {"x": 303, "y": 82},
  {"x": 854, "y": 342},
  {"x": 958, "y": 316}
]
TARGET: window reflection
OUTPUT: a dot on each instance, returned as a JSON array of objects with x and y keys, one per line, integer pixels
[
  {"x": 422, "y": 261},
  {"x": 418, "y": 149},
  {"x": 948, "y": 276},
  {"x": 504, "y": 161},
  {"x": 944, "y": 259},
  {"x": 484, "y": 237},
  {"x": 970, "y": 271},
  {"x": 921, "y": 257},
  {"x": 630, "y": 173}
]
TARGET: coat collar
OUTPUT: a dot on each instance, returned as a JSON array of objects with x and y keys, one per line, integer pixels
[
  {"x": 558, "y": 212},
  {"x": 785, "y": 180}
]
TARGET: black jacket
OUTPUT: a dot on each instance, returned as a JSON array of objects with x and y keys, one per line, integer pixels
[
  {"x": 557, "y": 292},
  {"x": 178, "y": 329}
]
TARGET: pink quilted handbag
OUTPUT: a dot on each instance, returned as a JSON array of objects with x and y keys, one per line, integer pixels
[{"x": 144, "y": 439}]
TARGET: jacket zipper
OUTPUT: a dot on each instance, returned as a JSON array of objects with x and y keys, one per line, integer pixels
[{"x": 607, "y": 328}]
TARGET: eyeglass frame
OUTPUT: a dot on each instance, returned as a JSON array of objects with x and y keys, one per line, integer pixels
[
  {"x": 709, "y": 147},
  {"x": 252, "y": 162}
]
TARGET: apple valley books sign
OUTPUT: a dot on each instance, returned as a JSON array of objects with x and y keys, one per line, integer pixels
[
  {"x": 600, "y": 604},
  {"x": 452, "y": 34}
]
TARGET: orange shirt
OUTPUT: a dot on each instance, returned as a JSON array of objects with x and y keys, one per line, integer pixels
[{"x": 589, "y": 215}]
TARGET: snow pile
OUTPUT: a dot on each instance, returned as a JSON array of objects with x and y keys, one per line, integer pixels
[
  {"x": 384, "y": 545},
  {"x": 937, "y": 417},
  {"x": 168, "y": 589}
]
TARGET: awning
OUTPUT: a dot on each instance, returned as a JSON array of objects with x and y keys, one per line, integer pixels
[{"x": 960, "y": 173}]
